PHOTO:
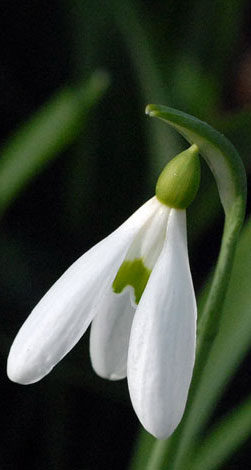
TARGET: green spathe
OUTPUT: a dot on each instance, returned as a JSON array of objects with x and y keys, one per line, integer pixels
[
  {"x": 132, "y": 273},
  {"x": 179, "y": 181}
]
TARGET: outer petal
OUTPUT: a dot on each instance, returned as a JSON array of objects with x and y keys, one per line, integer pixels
[
  {"x": 64, "y": 313},
  {"x": 162, "y": 343},
  {"x": 110, "y": 332}
]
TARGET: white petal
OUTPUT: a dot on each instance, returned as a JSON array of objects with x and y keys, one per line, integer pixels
[
  {"x": 162, "y": 343},
  {"x": 110, "y": 332},
  {"x": 148, "y": 242},
  {"x": 64, "y": 313}
]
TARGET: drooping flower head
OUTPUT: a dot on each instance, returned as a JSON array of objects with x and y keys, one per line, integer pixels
[{"x": 135, "y": 287}]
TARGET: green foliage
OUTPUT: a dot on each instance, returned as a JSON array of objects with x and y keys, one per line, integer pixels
[
  {"x": 224, "y": 438},
  {"x": 51, "y": 130}
]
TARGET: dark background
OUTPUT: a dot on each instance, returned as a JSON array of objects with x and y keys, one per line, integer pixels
[{"x": 73, "y": 419}]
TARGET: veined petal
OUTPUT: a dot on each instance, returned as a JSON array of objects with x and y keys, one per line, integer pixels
[
  {"x": 64, "y": 313},
  {"x": 110, "y": 332},
  {"x": 162, "y": 343}
]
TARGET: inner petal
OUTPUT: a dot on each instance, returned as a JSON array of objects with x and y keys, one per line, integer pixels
[
  {"x": 110, "y": 333},
  {"x": 142, "y": 254},
  {"x": 132, "y": 273}
]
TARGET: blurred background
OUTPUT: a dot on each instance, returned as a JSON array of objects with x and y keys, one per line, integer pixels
[{"x": 78, "y": 156}]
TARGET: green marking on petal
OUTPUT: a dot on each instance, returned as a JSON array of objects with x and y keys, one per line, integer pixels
[{"x": 132, "y": 273}]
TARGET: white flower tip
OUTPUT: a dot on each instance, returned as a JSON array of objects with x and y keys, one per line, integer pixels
[
  {"x": 116, "y": 377},
  {"x": 16, "y": 373},
  {"x": 24, "y": 371},
  {"x": 161, "y": 429},
  {"x": 104, "y": 372}
]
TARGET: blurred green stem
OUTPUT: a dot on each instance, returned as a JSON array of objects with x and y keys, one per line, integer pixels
[
  {"x": 157, "y": 455},
  {"x": 224, "y": 438},
  {"x": 46, "y": 134}
]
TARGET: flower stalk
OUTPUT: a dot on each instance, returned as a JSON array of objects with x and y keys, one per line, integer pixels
[{"x": 229, "y": 173}]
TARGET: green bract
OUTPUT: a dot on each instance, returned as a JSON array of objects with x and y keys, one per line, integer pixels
[
  {"x": 179, "y": 181},
  {"x": 219, "y": 153}
]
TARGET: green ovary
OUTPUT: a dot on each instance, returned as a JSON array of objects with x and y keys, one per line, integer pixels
[{"x": 132, "y": 273}]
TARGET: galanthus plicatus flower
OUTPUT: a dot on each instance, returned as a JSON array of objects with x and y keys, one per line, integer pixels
[{"x": 135, "y": 287}]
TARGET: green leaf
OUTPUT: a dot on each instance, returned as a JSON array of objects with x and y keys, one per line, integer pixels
[
  {"x": 46, "y": 134},
  {"x": 224, "y": 439},
  {"x": 142, "y": 451}
]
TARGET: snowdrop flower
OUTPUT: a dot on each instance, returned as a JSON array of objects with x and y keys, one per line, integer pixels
[{"x": 135, "y": 287}]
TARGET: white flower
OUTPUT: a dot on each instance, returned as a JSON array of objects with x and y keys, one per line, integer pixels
[{"x": 135, "y": 287}]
